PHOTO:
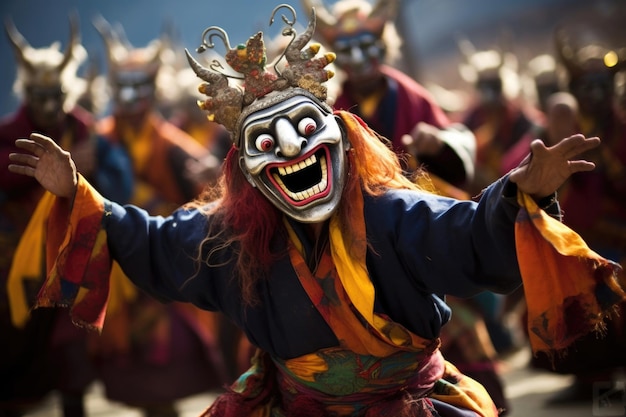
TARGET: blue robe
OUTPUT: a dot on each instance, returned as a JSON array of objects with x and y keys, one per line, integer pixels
[{"x": 422, "y": 247}]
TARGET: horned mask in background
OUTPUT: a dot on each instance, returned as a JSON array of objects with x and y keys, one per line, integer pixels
[
  {"x": 362, "y": 35},
  {"x": 47, "y": 78},
  {"x": 132, "y": 71}
]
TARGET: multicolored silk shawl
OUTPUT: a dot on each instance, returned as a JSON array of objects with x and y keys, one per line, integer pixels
[{"x": 80, "y": 272}]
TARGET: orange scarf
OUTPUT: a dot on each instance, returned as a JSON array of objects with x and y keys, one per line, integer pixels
[
  {"x": 570, "y": 290},
  {"x": 27, "y": 263}
]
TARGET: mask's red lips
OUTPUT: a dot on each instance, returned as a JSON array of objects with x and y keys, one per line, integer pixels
[{"x": 305, "y": 179}]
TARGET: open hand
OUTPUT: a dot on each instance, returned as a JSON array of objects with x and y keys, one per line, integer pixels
[
  {"x": 545, "y": 169},
  {"x": 47, "y": 162},
  {"x": 423, "y": 140}
]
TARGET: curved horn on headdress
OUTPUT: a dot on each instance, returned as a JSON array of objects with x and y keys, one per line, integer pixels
[
  {"x": 293, "y": 50},
  {"x": 325, "y": 19},
  {"x": 19, "y": 44},
  {"x": 466, "y": 47},
  {"x": 170, "y": 41},
  {"x": 304, "y": 38},
  {"x": 203, "y": 73},
  {"x": 157, "y": 47},
  {"x": 385, "y": 9},
  {"x": 169, "y": 34},
  {"x": 207, "y": 38},
  {"x": 74, "y": 39},
  {"x": 111, "y": 38}
]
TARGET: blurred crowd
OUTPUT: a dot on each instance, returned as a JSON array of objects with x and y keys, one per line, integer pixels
[{"x": 136, "y": 132}]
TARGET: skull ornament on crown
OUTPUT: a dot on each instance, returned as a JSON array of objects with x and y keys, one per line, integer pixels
[
  {"x": 291, "y": 147},
  {"x": 47, "y": 78}
]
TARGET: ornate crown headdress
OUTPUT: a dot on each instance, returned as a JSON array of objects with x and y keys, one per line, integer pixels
[{"x": 226, "y": 103}]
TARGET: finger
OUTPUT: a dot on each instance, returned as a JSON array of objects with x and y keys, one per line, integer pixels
[
  {"x": 22, "y": 169},
  {"x": 513, "y": 175},
  {"x": 44, "y": 141},
  {"x": 566, "y": 145},
  {"x": 537, "y": 148},
  {"x": 30, "y": 146},
  {"x": 576, "y": 144},
  {"x": 585, "y": 145},
  {"x": 24, "y": 159},
  {"x": 581, "y": 166}
]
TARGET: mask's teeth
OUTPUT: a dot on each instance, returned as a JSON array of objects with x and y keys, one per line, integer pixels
[
  {"x": 290, "y": 169},
  {"x": 309, "y": 192}
]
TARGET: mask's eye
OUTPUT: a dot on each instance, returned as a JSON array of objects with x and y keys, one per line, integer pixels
[
  {"x": 264, "y": 142},
  {"x": 307, "y": 126}
]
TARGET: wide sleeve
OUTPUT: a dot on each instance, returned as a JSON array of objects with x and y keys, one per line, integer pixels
[
  {"x": 445, "y": 246},
  {"x": 161, "y": 256},
  {"x": 158, "y": 254}
]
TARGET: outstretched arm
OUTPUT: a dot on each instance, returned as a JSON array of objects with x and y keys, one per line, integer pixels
[
  {"x": 545, "y": 169},
  {"x": 48, "y": 163},
  {"x": 156, "y": 253}
]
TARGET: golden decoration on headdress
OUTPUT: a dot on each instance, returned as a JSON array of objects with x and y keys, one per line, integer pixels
[{"x": 225, "y": 103}]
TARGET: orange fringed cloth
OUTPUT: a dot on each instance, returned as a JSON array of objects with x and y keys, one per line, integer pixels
[
  {"x": 570, "y": 290},
  {"x": 78, "y": 261}
]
